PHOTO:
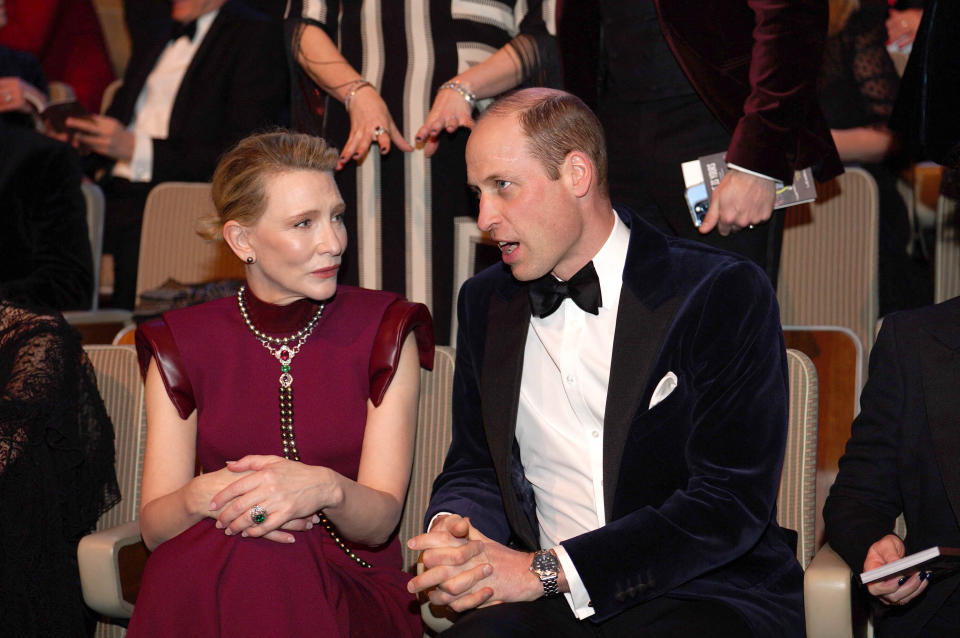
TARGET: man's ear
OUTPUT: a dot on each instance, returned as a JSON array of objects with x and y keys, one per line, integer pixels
[
  {"x": 237, "y": 237},
  {"x": 579, "y": 172}
]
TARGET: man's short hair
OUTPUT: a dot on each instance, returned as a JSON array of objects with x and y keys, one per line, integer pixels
[{"x": 556, "y": 123}]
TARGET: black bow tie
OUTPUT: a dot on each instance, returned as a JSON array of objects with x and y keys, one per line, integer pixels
[
  {"x": 179, "y": 29},
  {"x": 547, "y": 293}
]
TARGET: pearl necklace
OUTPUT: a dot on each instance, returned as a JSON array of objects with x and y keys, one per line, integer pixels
[{"x": 284, "y": 353}]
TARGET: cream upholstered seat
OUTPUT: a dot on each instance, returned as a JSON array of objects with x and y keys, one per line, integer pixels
[
  {"x": 797, "y": 497},
  {"x": 99, "y": 554},
  {"x": 169, "y": 245},
  {"x": 828, "y": 266}
]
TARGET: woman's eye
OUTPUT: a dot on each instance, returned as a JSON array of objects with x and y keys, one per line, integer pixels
[
  {"x": 303, "y": 223},
  {"x": 338, "y": 218}
]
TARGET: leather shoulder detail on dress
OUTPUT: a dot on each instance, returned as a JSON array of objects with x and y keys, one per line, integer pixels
[
  {"x": 398, "y": 320},
  {"x": 154, "y": 339}
]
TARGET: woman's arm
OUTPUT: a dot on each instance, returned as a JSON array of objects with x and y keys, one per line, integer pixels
[
  {"x": 171, "y": 498},
  {"x": 320, "y": 59},
  {"x": 364, "y": 511},
  {"x": 500, "y": 72}
]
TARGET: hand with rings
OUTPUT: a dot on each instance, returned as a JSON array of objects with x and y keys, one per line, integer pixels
[
  {"x": 370, "y": 123},
  {"x": 449, "y": 112},
  {"x": 272, "y": 494}
]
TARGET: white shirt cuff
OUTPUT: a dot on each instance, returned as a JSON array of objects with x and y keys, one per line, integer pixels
[
  {"x": 140, "y": 168},
  {"x": 577, "y": 597},
  {"x": 430, "y": 526},
  {"x": 749, "y": 172}
]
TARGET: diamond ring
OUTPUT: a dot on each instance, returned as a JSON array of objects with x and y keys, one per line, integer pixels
[{"x": 258, "y": 514}]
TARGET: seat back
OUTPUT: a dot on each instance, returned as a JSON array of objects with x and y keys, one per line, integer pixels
[
  {"x": 93, "y": 197},
  {"x": 796, "y": 499},
  {"x": 120, "y": 385},
  {"x": 118, "y": 379},
  {"x": 169, "y": 244},
  {"x": 434, "y": 425},
  {"x": 828, "y": 266}
]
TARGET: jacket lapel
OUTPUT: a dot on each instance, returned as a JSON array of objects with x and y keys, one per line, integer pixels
[
  {"x": 507, "y": 323},
  {"x": 941, "y": 370},
  {"x": 648, "y": 304}
]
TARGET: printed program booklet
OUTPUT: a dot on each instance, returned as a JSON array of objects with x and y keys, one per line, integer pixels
[
  {"x": 701, "y": 176},
  {"x": 939, "y": 560}
]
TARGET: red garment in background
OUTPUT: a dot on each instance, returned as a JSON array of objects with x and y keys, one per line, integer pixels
[{"x": 65, "y": 36}]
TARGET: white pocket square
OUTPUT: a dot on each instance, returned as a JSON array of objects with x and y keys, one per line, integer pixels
[{"x": 667, "y": 385}]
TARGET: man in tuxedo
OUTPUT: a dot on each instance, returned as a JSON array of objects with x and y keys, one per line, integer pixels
[
  {"x": 622, "y": 447},
  {"x": 902, "y": 459},
  {"x": 679, "y": 81},
  {"x": 211, "y": 76}
]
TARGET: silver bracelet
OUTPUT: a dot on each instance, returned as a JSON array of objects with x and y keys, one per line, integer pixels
[
  {"x": 464, "y": 92},
  {"x": 357, "y": 85}
]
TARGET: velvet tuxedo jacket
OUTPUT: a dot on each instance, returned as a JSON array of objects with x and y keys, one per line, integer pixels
[
  {"x": 903, "y": 455},
  {"x": 755, "y": 64},
  {"x": 690, "y": 485},
  {"x": 235, "y": 84}
]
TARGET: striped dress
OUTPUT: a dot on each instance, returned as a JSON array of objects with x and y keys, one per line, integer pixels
[{"x": 401, "y": 206}]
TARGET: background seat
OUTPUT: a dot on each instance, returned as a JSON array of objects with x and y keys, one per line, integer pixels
[
  {"x": 115, "y": 547},
  {"x": 828, "y": 266}
]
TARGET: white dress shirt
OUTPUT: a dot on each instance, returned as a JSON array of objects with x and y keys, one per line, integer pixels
[
  {"x": 151, "y": 113},
  {"x": 563, "y": 395}
]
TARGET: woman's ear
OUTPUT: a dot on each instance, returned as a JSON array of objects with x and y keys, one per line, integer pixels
[
  {"x": 237, "y": 237},
  {"x": 579, "y": 172}
]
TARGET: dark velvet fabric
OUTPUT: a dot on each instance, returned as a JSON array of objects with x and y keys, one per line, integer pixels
[
  {"x": 758, "y": 77},
  {"x": 902, "y": 458},
  {"x": 690, "y": 486}
]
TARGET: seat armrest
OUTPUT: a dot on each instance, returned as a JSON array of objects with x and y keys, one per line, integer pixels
[
  {"x": 99, "y": 557},
  {"x": 828, "y": 596}
]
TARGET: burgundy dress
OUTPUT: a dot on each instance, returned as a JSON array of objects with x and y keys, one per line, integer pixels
[{"x": 204, "y": 583}]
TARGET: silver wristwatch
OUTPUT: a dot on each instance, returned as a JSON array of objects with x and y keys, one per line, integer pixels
[{"x": 546, "y": 567}]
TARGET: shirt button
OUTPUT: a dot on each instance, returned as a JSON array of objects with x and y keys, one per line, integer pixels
[
  {"x": 569, "y": 378},
  {"x": 595, "y": 434}
]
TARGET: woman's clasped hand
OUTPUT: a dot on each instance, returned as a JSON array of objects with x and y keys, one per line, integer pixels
[{"x": 290, "y": 493}]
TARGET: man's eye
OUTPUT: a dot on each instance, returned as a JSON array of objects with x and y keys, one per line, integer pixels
[{"x": 502, "y": 183}]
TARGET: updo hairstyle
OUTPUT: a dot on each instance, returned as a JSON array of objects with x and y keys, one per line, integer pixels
[{"x": 239, "y": 186}]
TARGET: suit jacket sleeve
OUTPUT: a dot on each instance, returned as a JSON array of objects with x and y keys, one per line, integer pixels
[
  {"x": 468, "y": 484},
  {"x": 788, "y": 41},
  {"x": 864, "y": 501},
  {"x": 701, "y": 470}
]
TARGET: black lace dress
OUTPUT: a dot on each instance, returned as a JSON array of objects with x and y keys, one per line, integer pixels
[
  {"x": 56, "y": 473},
  {"x": 858, "y": 87}
]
